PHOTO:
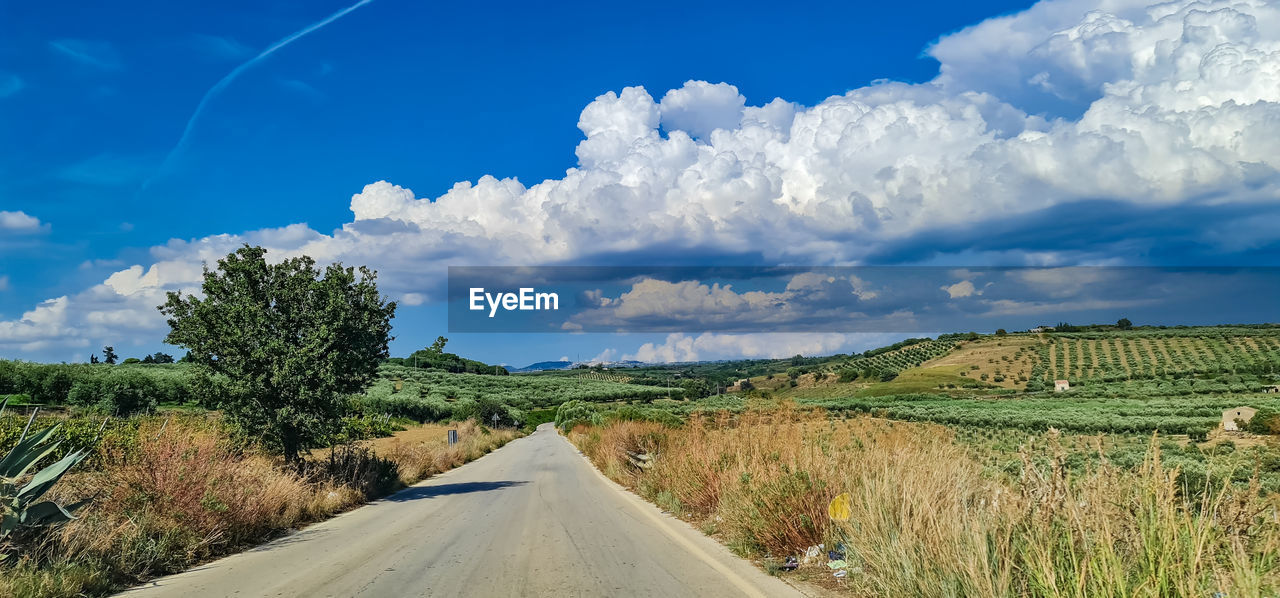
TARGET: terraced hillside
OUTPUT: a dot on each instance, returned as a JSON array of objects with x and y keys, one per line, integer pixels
[
  {"x": 1006, "y": 362},
  {"x": 887, "y": 362}
]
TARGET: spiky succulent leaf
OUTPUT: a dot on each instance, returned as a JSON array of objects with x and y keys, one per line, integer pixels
[
  {"x": 47, "y": 477},
  {"x": 44, "y": 513},
  {"x": 19, "y": 456},
  {"x": 8, "y": 523},
  {"x": 24, "y": 462}
]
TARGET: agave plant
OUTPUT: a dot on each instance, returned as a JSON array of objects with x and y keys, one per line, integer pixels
[{"x": 18, "y": 506}]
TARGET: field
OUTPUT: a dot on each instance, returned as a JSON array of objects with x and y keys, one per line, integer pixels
[
  {"x": 1108, "y": 358},
  {"x": 887, "y": 362},
  {"x": 969, "y": 475},
  {"x": 925, "y": 517},
  {"x": 1174, "y": 381},
  {"x": 1006, "y": 362},
  {"x": 1128, "y": 465},
  {"x": 413, "y": 393},
  {"x": 1112, "y": 415},
  {"x": 430, "y": 395}
]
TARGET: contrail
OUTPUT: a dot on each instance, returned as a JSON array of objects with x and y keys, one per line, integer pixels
[{"x": 226, "y": 80}]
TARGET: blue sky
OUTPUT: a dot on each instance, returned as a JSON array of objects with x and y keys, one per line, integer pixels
[{"x": 1077, "y": 153}]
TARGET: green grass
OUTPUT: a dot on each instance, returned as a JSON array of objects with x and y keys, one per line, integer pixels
[
  {"x": 1118, "y": 415},
  {"x": 1001, "y": 450}
]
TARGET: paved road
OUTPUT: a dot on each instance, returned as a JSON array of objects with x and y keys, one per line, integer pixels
[{"x": 530, "y": 519}]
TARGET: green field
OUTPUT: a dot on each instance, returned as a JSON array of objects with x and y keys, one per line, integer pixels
[
  {"x": 429, "y": 395},
  {"x": 1160, "y": 354}
]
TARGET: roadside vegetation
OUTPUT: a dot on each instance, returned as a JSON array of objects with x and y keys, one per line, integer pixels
[
  {"x": 962, "y": 472},
  {"x": 168, "y": 493},
  {"x": 927, "y": 518},
  {"x": 116, "y": 472}
]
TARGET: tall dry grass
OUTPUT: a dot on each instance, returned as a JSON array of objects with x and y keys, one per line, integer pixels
[
  {"x": 926, "y": 520},
  {"x": 417, "y": 459},
  {"x": 186, "y": 493}
]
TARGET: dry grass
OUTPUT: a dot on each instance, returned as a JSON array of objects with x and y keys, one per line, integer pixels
[
  {"x": 1011, "y": 356},
  {"x": 424, "y": 453},
  {"x": 926, "y": 521},
  {"x": 187, "y": 493}
]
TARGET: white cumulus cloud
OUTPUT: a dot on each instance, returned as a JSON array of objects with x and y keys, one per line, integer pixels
[
  {"x": 19, "y": 221},
  {"x": 679, "y": 347}
]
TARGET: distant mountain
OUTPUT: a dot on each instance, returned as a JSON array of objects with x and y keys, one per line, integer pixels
[{"x": 545, "y": 365}]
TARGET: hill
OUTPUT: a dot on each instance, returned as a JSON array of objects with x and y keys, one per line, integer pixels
[{"x": 545, "y": 365}]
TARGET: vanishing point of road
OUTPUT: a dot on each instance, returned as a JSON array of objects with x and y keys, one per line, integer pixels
[{"x": 533, "y": 518}]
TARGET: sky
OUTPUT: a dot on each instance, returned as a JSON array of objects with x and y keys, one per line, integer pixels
[{"x": 142, "y": 139}]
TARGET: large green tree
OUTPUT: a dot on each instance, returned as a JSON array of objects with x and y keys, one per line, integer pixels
[{"x": 283, "y": 344}]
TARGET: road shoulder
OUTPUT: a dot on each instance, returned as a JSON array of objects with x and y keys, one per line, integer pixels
[{"x": 743, "y": 574}]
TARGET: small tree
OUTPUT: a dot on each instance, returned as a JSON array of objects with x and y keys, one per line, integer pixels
[
  {"x": 1001, "y": 332},
  {"x": 1124, "y": 324},
  {"x": 1265, "y": 421},
  {"x": 109, "y": 355},
  {"x": 283, "y": 344}
]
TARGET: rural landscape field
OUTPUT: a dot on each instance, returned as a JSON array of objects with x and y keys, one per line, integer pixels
[
  {"x": 961, "y": 468},
  {"x": 377, "y": 299}
]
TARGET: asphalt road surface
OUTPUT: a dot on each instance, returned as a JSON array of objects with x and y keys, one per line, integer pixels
[{"x": 533, "y": 518}]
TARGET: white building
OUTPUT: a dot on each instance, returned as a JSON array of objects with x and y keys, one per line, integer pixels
[{"x": 1243, "y": 414}]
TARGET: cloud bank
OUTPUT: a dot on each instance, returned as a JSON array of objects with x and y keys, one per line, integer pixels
[{"x": 1075, "y": 132}]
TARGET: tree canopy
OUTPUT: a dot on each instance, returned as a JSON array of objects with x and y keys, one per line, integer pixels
[{"x": 283, "y": 344}]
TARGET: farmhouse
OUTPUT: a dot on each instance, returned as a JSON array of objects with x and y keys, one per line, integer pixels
[
  {"x": 1229, "y": 417},
  {"x": 1272, "y": 388},
  {"x": 1061, "y": 385}
]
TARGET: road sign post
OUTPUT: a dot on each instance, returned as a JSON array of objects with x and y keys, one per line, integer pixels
[{"x": 453, "y": 437}]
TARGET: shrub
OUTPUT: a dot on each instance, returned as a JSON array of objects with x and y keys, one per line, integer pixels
[
  {"x": 1265, "y": 421},
  {"x": 640, "y": 414},
  {"x": 572, "y": 413},
  {"x": 488, "y": 411},
  {"x": 119, "y": 391}
]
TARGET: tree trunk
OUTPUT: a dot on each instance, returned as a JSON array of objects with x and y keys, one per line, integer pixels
[{"x": 292, "y": 456}]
